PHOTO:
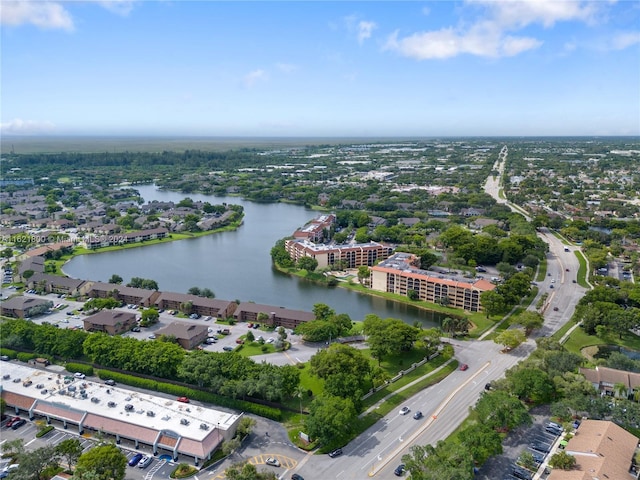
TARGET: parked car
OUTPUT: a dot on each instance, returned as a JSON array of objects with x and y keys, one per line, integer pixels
[
  {"x": 11, "y": 421},
  {"x": 183, "y": 399},
  {"x": 135, "y": 459},
  {"x": 335, "y": 453},
  {"x": 110, "y": 382},
  {"x": 80, "y": 375},
  {"x": 145, "y": 462},
  {"x": 18, "y": 423},
  {"x": 272, "y": 461},
  {"x": 227, "y": 348},
  {"x": 152, "y": 337},
  {"x": 404, "y": 410},
  {"x": 417, "y": 415},
  {"x": 295, "y": 476},
  {"x": 4, "y": 358},
  {"x": 399, "y": 471}
]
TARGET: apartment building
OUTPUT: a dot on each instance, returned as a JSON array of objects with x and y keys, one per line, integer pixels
[
  {"x": 316, "y": 230},
  {"x": 276, "y": 316},
  {"x": 398, "y": 274},
  {"x": 353, "y": 255}
]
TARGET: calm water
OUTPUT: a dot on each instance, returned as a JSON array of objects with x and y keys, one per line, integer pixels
[{"x": 236, "y": 265}]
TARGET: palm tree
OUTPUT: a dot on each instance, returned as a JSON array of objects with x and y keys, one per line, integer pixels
[{"x": 620, "y": 390}]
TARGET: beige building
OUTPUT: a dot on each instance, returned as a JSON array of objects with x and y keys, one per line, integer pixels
[
  {"x": 188, "y": 335},
  {"x": 606, "y": 380},
  {"x": 397, "y": 274},
  {"x": 602, "y": 450},
  {"x": 112, "y": 322},
  {"x": 353, "y": 255}
]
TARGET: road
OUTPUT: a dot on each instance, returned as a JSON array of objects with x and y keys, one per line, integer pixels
[{"x": 378, "y": 451}]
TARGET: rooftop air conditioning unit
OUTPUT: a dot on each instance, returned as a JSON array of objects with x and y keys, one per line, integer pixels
[
  {"x": 204, "y": 426},
  {"x": 184, "y": 421},
  {"x": 151, "y": 413}
]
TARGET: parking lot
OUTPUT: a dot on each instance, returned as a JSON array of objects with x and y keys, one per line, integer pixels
[
  {"x": 160, "y": 466},
  {"x": 534, "y": 439},
  {"x": 69, "y": 315}
]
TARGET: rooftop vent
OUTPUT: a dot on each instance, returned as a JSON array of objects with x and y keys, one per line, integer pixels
[
  {"x": 204, "y": 426},
  {"x": 95, "y": 399},
  {"x": 40, "y": 385},
  {"x": 151, "y": 413},
  {"x": 44, "y": 391},
  {"x": 6, "y": 377},
  {"x": 112, "y": 404},
  {"x": 184, "y": 421},
  {"x": 128, "y": 407}
]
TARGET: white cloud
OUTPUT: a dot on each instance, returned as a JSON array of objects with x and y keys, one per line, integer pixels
[
  {"x": 42, "y": 14},
  {"x": 251, "y": 78},
  {"x": 119, "y": 7},
  {"x": 18, "y": 126},
  {"x": 364, "y": 30},
  {"x": 494, "y": 35},
  {"x": 625, "y": 40},
  {"x": 286, "y": 67}
]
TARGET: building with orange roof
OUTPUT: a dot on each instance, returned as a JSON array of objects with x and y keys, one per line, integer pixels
[{"x": 398, "y": 274}]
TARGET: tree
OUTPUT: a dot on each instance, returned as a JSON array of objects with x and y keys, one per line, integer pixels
[
  {"x": 344, "y": 369},
  {"x": 230, "y": 446},
  {"x": 307, "y": 263},
  {"x": 330, "y": 419},
  {"x": 562, "y": 460},
  {"x": 363, "y": 273},
  {"x": 529, "y": 320},
  {"x": 492, "y": 303},
  {"x": 500, "y": 411},
  {"x": 149, "y": 316},
  {"x": 105, "y": 461},
  {"x": 117, "y": 279},
  {"x": 510, "y": 338},
  {"x": 194, "y": 291},
  {"x": 70, "y": 449},
  {"x": 34, "y": 463},
  {"x": 530, "y": 384},
  {"x": 207, "y": 293},
  {"x": 247, "y": 471},
  {"x": 323, "y": 311},
  {"x": 447, "y": 460},
  {"x": 482, "y": 442}
]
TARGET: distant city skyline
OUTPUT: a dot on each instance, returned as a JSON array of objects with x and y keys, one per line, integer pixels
[{"x": 320, "y": 69}]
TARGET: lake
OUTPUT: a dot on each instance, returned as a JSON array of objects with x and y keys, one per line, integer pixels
[{"x": 237, "y": 265}]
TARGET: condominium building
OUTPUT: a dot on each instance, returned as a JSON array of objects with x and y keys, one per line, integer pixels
[
  {"x": 352, "y": 255},
  {"x": 398, "y": 274}
]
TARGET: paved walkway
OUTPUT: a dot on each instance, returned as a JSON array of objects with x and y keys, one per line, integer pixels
[{"x": 404, "y": 387}]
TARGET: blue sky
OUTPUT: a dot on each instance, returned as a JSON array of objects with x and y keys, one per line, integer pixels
[{"x": 315, "y": 68}]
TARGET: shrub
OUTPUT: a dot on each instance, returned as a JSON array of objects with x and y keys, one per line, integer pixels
[
  {"x": 79, "y": 367},
  {"x": 44, "y": 431},
  {"x": 25, "y": 357},
  {"x": 8, "y": 352}
]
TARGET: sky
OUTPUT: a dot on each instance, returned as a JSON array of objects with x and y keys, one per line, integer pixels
[{"x": 320, "y": 69}]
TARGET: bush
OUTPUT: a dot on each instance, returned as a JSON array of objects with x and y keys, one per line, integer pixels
[
  {"x": 8, "y": 352},
  {"x": 44, "y": 431},
  {"x": 25, "y": 357},
  {"x": 183, "y": 470}
]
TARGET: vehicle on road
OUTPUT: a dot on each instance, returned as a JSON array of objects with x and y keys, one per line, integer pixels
[
  {"x": 152, "y": 337},
  {"x": 464, "y": 367},
  {"x": 417, "y": 415},
  {"x": 555, "y": 309},
  {"x": 110, "y": 382},
  {"x": 79, "y": 375},
  {"x": 399, "y": 471},
  {"x": 135, "y": 459},
  {"x": 274, "y": 462},
  {"x": 335, "y": 453},
  {"x": 227, "y": 348},
  {"x": 145, "y": 462},
  {"x": 296, "y": 476},
  {"x": 404, "y": 410},
  {"x": 183, "y": 399}
]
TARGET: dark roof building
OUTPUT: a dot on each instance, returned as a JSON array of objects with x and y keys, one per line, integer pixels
[
  {"x": 188, "y": 335},
  {"x": 277, "y": 316},
  {"x": 112, "y": 322}
]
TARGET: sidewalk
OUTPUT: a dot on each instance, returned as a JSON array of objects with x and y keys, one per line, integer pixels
[{"x": 404, "y": 387}]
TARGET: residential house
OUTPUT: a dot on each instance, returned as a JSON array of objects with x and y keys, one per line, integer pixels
[
  {"x": 129, "y": 295},
  {"x": 276, "y": 316},
  {"x": 55, "y": 284},
  {"x": 112, "y": 322},
  {"x": 201, "y": 305},
  {"x": 602, "y": 450},
  {"x": 24, "y": 307},
  {"x": 188, "y": 335},
  {"x": 610, "y": 381}
]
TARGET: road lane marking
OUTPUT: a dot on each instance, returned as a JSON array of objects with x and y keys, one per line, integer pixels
[{"x": 385, "y": 461}]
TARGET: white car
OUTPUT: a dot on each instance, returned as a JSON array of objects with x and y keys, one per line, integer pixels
[
  {"x": 79, "y": 375},
  {"x": 272, "y": 461},
  {"x": 404, "y": 410},
  {"x": 145, "y": 461}
]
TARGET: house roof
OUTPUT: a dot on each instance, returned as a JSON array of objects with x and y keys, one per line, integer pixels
[
  {"x": 22, "y": 303},
  {"x": 602, "y": 450},
  {"x": 110, "y": 317},
  {"x": 611, "y": 376},
  {"x": 183, "y": 330},
  {"x": 279, "y": 312}
]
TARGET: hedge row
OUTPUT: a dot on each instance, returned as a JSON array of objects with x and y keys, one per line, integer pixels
[
  {"x": 25, "y": 357},
  {"x": 44, "y": 431},
  {"x": 8, "y": 352},
  {"x": 179, "y": 391}
]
